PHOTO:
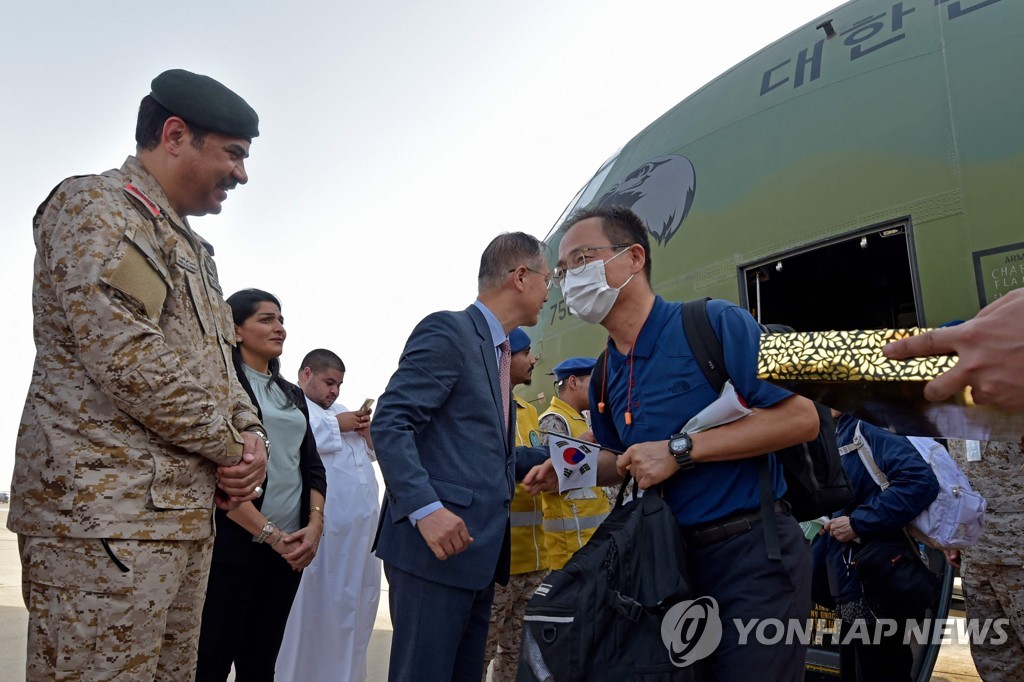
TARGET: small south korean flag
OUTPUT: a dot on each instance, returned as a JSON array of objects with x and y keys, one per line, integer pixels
[{"x": 575, "y": 461}]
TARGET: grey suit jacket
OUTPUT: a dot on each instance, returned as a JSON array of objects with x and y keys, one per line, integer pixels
[{"x": 439, "y": 434}]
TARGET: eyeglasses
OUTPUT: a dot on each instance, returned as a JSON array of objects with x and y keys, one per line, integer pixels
[
  {"x": 548, "y": 283},
  {"x": 577, "y": 262}
]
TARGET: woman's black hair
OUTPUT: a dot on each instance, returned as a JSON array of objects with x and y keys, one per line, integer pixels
[{"x": 243, "y": 306}]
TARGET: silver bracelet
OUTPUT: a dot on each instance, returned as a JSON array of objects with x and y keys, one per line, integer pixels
[{"x": 258, "y": 430}]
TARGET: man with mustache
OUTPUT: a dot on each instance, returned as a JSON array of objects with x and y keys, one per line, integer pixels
[{"x": 134, "y": 425}]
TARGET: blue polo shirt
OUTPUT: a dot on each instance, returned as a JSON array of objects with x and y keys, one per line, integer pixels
[{"x": 669, "y": 389}]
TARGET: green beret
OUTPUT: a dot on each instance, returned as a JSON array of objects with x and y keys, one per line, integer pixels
[{"x": 206, "y": 103}]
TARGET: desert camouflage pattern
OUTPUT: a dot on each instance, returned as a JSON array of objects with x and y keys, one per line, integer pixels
[
  {"x": 506, "y": 629},
  {"x": 992, "y": 571},
  {"x": 999, "y": 477},
  {"x": 97, "y": 619},
  {"x": 133, "y": 400},
  {"x": 996, "y": 591}
]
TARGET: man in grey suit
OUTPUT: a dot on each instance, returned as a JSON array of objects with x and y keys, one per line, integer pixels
[{"x": 444, "y": 441}]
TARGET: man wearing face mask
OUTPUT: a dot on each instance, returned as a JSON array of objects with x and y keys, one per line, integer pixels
[{"x": 650, "y": 388}]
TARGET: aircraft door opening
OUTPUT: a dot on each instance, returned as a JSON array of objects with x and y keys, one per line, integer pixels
[{"x": 864, "y": 280}]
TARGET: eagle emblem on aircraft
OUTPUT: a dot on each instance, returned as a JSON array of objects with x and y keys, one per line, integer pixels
[{"x": 660, "y": 191}]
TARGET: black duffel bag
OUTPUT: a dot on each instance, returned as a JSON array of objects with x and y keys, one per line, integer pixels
[{"x": 600, "y": 616}]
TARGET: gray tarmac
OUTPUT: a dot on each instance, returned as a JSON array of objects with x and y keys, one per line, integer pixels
[
  {"x": 14, "y": 617},
  {"x": 954, "y": 664}
]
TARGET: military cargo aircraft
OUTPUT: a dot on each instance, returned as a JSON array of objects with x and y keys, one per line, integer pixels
[{"x": 866, "y": 171}]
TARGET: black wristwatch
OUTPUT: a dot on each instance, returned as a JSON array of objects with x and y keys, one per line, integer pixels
[{"x": 679, "y": 446}]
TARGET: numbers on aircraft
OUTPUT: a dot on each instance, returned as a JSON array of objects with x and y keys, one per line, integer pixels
[{"x": 559, "y": 311}]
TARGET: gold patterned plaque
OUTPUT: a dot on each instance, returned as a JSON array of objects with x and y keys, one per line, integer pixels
[
  {"x": 847, "y": 371},
  {"x": 843, "y": 356}
]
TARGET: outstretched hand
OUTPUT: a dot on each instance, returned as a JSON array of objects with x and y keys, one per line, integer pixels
[
  {"x": 991, "y": 354},
  {"x": 541, "y": 479}
]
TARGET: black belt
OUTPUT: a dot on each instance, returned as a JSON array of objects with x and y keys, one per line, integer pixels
[{"x": 716, "y": 531}]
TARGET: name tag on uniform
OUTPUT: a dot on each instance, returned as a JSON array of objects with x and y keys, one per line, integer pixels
[
  {"x": 973, "y": 451},
  {"x": 187, "y": 263},
  {"x": 211, "y": 274}
]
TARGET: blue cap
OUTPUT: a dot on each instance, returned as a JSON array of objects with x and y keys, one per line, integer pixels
[
  {"x": 518, "y": 340},
  {"x": 573, "y": 367}
]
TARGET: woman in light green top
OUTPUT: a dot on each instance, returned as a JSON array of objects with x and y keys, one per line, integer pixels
[{"x": 262, "y": 547}]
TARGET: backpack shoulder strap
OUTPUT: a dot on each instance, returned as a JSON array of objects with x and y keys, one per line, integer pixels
[
  {"x": 710, "y": 356},
  {"x": 706, "y": 347},
  {"x": 868, "y": 459}
]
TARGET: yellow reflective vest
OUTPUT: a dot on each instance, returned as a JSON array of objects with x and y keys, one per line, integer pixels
[
  {"x": 569, "y": 523},
  {"x": 528, "y": 551}
]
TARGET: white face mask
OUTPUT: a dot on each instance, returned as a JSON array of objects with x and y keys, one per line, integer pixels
[{"x": 588, "y": 295}]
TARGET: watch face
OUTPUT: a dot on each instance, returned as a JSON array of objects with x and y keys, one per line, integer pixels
[{"x": 680, "y": 444}]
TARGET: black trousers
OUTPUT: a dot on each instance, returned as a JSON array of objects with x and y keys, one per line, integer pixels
[
  {"x": 747, "y": 585},
  {"x": 246, "y": 610},
  {"x": 874, "y": 658}
]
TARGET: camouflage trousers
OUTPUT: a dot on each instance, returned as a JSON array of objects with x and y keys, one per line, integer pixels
[
  {"x": 125, "y": 609},
  {"x": 507, "y": 611},
  {"x": 994, "y": 591}
]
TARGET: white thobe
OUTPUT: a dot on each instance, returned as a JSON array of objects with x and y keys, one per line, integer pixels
[{"x": 332, "y": 617}]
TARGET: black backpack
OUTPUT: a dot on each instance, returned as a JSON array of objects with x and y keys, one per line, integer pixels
[
  {"x": 815, "y": 480},
  {"x": 600, "y": 616}
]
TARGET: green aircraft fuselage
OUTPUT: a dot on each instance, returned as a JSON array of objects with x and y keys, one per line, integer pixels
[
  {"x": 905, "y": 123},
  {"x": 865, "y": 171}
]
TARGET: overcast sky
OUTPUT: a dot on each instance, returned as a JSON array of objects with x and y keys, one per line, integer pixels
[{"x": 397, "y": 138}]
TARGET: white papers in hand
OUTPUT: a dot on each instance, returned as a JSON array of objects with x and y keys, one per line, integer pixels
[{"x": 726, "y": 408}]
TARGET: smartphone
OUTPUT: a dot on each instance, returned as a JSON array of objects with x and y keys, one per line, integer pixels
[{"x": 367, "y": 404}]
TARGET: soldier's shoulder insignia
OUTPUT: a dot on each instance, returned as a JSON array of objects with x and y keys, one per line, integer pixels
[
  {"x": 534, "y": 439},
  {"x": 141, "y": 198}
]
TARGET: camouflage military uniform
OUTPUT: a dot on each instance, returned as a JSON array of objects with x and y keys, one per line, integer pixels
[
  {"x": 993, "y": 570},
  {"x": 505, "y": 633},
  {"x": 132, "y": 406}
]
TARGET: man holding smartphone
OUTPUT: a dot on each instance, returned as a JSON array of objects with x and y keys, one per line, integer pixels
[{"x": 340, "y": 589}]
